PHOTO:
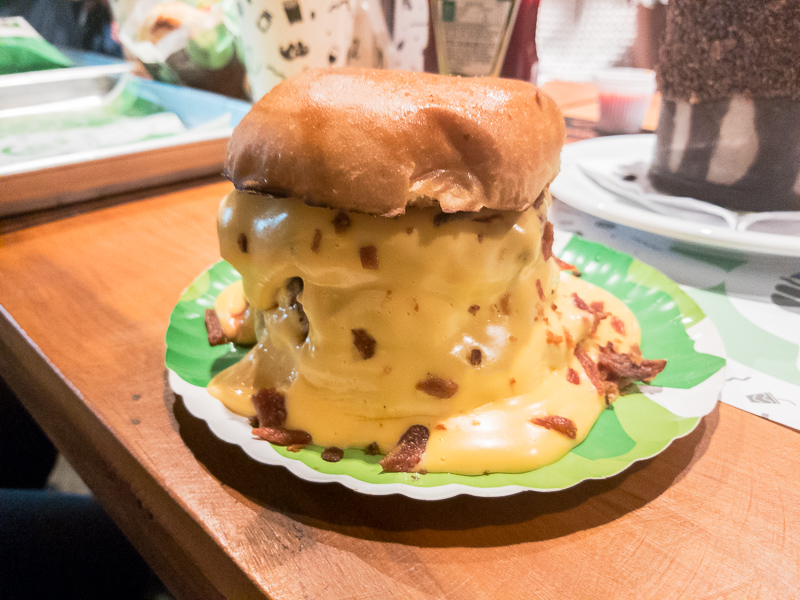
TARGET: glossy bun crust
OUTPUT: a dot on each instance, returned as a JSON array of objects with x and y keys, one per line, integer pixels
[{"x": 379, "y": 141}]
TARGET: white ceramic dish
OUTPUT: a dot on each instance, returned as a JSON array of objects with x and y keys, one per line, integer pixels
[{"x": 574, "y": 188}]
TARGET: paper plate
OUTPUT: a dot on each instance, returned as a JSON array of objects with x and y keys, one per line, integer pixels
[{"x": 635, "y": 427}]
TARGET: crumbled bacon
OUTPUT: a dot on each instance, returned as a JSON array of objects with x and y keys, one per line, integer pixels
[
  {"x": 505, "y": 304},
  {"x": 408, "y": 451},
  {"x": 595, "y": 309},
  {"x": 241, "y": 241},
  {"x": 283, "y": 437},
  {"x": 332, "y": 454},
  {"x": 565, "y": 266},
  {"x": 547, "y": 241},
  {"x": 315, "y": 243},
  {"x": 341, "y": 222},
  {"x": 475, "y": 357},
  {"x": 369, "y": 257},
  {"x": 625, "y": 367},
  {"x": 216, "y": 336},
  {"x": 473, "y": 310},
  {"x": 437, "y": 387},
  {"x": 364, "y": 343},
  {"x": 270, "y": 407},
  {"x": 615, "y": 370},
  {"x": 568, "y": 338},
  {"x": 617, "y": 325},
  {"x": 562, "y": 425},
  {"x": 579, "y": 302},
  {"x": 552, "y": 338},
  {"x": 590, "y": 368},
  {"x": 440, "y": 427},
  {"x": 372, "y": 449},
  {"x": 540, "y": 290},
  {"x": 572, "y": 376},
  {"x": 296, "y": 447}
]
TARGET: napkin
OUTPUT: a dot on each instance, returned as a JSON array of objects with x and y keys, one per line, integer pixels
[{"x": 631, "y": 182}]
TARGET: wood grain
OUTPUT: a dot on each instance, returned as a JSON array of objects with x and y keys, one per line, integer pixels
[{"x": 86, "y": 301}]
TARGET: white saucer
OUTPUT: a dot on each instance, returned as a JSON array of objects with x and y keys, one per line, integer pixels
[{"x": 573, "y": 187}]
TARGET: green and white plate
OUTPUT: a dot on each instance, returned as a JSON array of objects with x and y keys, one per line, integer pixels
[{"x": 636, "y": 427}]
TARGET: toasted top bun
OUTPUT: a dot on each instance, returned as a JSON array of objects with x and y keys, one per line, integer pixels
[{"x": 378, "y": 141}]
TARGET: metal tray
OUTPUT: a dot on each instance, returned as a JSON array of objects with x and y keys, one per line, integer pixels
[{"x": 198, "y": 149}]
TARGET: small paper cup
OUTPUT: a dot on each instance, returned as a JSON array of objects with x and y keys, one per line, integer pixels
[
  {"x": 625, "y": 95},
  {"x": 281, "y": 38}
]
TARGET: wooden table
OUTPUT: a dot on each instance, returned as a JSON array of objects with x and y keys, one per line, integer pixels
[{"x": 85, "y": 299}]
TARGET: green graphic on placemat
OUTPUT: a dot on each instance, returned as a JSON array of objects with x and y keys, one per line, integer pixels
[{"x": 633, "y": 428}]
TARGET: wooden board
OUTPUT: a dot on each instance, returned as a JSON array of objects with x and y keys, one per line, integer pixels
[{"x": 85, "y": 304}]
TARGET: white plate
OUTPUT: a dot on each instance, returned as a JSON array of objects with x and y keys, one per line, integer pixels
[{"x": 576, "y": 189}]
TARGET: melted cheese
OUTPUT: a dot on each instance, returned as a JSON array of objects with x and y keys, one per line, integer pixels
[{"x": 419, "y": 306}]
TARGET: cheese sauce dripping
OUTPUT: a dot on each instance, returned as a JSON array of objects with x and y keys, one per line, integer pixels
[{"x": 466, "y": 298}]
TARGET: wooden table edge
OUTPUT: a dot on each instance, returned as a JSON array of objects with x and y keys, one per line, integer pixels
[{"x": 183, "y": 553}]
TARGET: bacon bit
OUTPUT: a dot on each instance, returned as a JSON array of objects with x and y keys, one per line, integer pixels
[
  {"x": 473, "y": 310},
  {"x": 241, "y": 241},
  {"x": 408, "y": 451},
  {"x": 562, "y": 425},
  {"x": 547, "y": 241},
  {"x": 611, "y": 389},
  {"x": 270, "y": 407},
  {"x": 623, "y": 367},
  {"x": 296, "y": 447},
  {"x": 540, "y": 290},
  {"x": 316, "y": 241},
  {"x": 505, "y": 306},
  {"x": 341, "y": 222},
  {"x": 283, "y": 437},
  {"x": 579, "y": 302},
  {"x": 596, "y": 310},
  {"x": 372, "y": 449},
  {"x": 617, "y": 325},
  {"x": 216, "y": 336},
  {"x": 364, "y": 343},
  {"x": 512, "y": 381},
  {"x": 475, "y": 357},
  {"x": 369, "y": 257},
  {"x": 568, "y": 337},
  {"x": 565, "y": 266},
  {"x": 512, "y": 338},
  {"x": 437, "y": 387},
  {"x": 590, "y": 369},
  {"x": 572, "y": 376},
  {"x": 332, "y": 454},
  {"x": 553, "y": 307},
  {"x": 440, "y": 427},
  {"x": 552, "y": 338}
]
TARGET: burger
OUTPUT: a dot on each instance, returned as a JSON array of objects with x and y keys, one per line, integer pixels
[{"x": 399, "y": 281}]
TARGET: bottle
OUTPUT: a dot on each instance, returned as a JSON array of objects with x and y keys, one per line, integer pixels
[{"x": 472, "y": 36}]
